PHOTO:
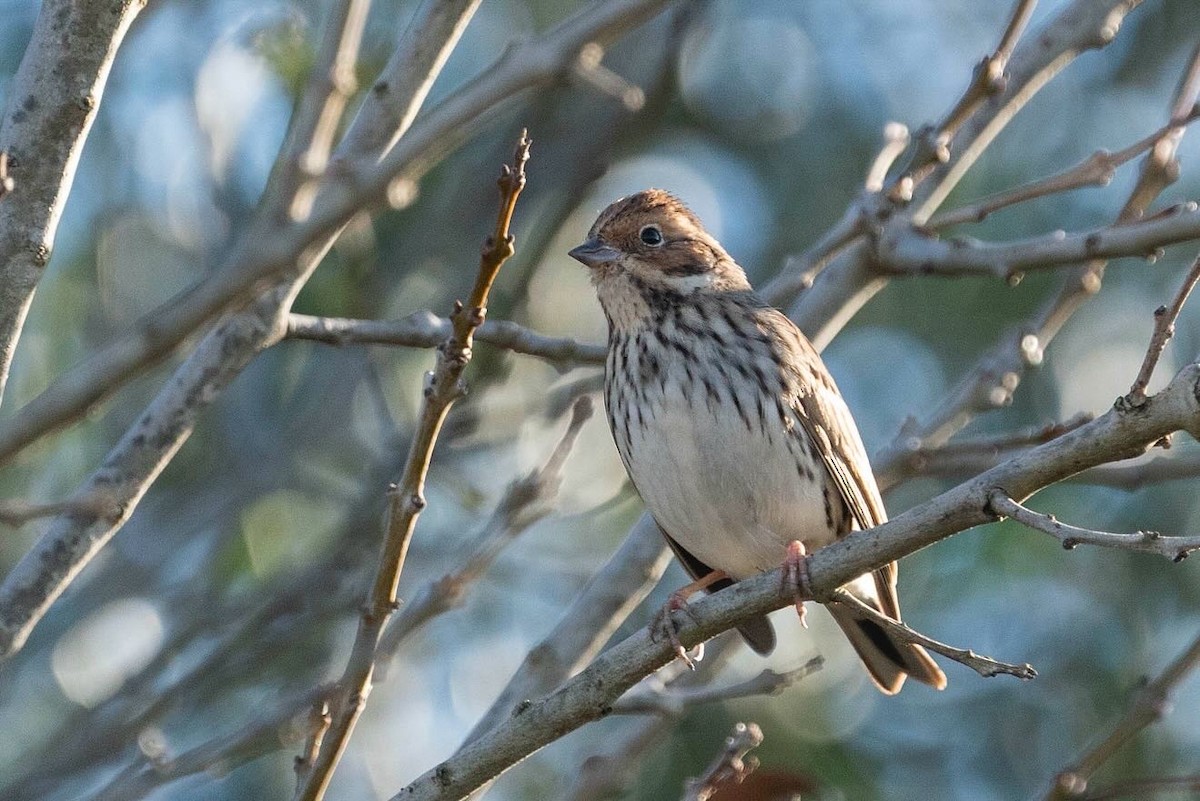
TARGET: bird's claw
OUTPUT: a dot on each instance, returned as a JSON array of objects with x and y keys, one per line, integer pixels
[
  {"x": 796, "y": 577},
  {"x": 663, "y": 623}
]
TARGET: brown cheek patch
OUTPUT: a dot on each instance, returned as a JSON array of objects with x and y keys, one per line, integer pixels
[{"x": 684, "y": 258}]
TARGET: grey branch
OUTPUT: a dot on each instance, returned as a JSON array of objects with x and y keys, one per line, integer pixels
[
  {"x": 52, "y": 102},
  {"x": 1147, "y": 706},
  {"x": 1173, "y": 548},
  {"x": 851, "y": 279},
  {"x": 137, "y": 459},
  {"x": 666, "y": 700},
  {"x": 730, "y": 766},
  {"x": 267, "y": 252},
  {"x": 424, "y": 329},
  {"x": 983, "y": 665},
  {"x": 590, "y": 695}
]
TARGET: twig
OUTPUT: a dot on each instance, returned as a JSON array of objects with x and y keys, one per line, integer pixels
[
  {"x": 989, "y": 79},
  {"x": 961, "y": 456},
  {"x": 665, "y": 700},
  {"x": 15, "y": 513},
  {"x": 1164, "y": 329},
  {"x": 895, "y": 140},
  {"x": 730, "y": 766},
  {"x": 257, "y": 261},
  {"x": 983, "y": 665},
  {"x": 1141, "y": 789},
  {"x": 137, "y": 459},
  {"x": 406, "y": 499},
  {"x": 994, "y": 379},
  {"x": 6, "y": 180},
  {"x": 526, "y": 501},
  {"x": 590, "y": 69},
  {"x": 594, "y": 615},
  {"x": 1148, "y": 706},
  {"x": 590, "y": 694},
  {"x": 424, "y": 329},
  {"x": 331, "y": 83},
  {"x": 1174, "y": 548},
  {"x": 1096, "y": 170},
  {"x": 905, "y": 250}
]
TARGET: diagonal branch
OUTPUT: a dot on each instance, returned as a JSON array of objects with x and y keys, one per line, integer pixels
[
  {"x": 983, "y": 665},
  {"x": 406, "y": 499},
  {"x": 261, "y": 256},
  {"x": 1174, "y": 548},
  {"x": 1148, "y": 705},
  {"x": 52, "y": 102}
]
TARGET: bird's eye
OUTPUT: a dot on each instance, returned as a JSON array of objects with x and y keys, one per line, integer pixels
[{"x": 651, "y": 235}]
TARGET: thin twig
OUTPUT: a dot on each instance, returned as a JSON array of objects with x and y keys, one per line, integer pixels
[
  {"x": 1148, "y": 705},
  {"x": 1174, "y": 548},
  {"x": 424, "y": 329},
  {"x": 983, "y": 665},
  {"x": 989, "y": 79},
  {"x": 256, "y": 262},
  {"x": 16, "y": 513},
  {"x": 331, "y": 84},
  {"x": 665, "y": 700},
  {"x": 1096, "y": 170},
  {"x": 895, "y": 140},
  {"x": 991, "y": 384},
  {"x": 406, "y": 499},
  {"x": 1164, "y": 329},
  {"x": 730, "y": 766},
  {"x": 526, "y": 501},
  {"x": 1141, "y": 789},
  {"x": 6, "y": 180}
]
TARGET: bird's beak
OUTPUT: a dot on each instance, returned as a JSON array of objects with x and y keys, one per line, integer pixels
[{"x": 593, "y": 253}]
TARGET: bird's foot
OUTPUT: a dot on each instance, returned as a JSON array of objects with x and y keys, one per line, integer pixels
[
  {"x": 796, "y": 577},
  {"x": 679, "y": 600}
]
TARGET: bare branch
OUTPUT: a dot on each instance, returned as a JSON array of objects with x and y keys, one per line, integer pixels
[
  {"x": 667, "y": 700},
  {"x": 424, "y": 329},
  {"x": 258, "y": 260},
  {"x": 1144, "y": 788},
  {"x": 1096, "y": 170},
  {"x": 991, "y": 384},
  {"x": 607, "y": 600},
  {"x": 730, "y": 767},
  {"x": 137, "y": 459},
  {"x": 904, "y": 250},
  {"x": 331, "y": 83},
  {"x": 1148, "y": 705},
  {"x": 407, "y": 498},
  {"x": 983, "y": 665},
  {"x": 1164, "y": 329},
  {"x": 526, "y": 501},
  {"x": 1173, "y": 548},
  {"x": 52, "y": 101}
]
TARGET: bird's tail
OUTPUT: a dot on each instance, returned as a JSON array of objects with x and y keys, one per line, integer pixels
[{"x": 887, "y": 659}]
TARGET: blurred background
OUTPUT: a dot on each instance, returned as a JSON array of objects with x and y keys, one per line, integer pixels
[{"x": 250, "y": 555}]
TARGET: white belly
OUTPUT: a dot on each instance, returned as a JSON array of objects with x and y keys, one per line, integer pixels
[{"x": 732, "y": 495}]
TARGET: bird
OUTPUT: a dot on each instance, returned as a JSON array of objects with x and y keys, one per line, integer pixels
[{"x": 729, "y": 424}]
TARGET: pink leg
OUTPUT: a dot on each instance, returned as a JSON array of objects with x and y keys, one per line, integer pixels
[
  {"x": 795, "y": 576},
  {"x": 679, "y": 600}
]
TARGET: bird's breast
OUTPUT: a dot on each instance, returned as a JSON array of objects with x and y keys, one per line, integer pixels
[{"x": 714, "y": 449}]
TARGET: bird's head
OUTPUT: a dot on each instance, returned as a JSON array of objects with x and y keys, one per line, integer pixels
[{"x": 651, "y": 240}]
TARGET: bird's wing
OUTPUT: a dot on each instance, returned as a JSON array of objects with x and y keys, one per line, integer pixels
[{"x": 827, "y": 421}]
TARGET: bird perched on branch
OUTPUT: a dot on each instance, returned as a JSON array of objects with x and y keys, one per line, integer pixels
[{"x": 729, "y": 424}]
